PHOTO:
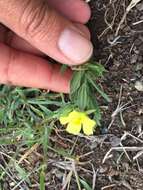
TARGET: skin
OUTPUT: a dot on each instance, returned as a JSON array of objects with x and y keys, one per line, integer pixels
[{"x": 29, "y": 32}]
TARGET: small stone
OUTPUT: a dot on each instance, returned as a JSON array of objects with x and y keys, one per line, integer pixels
[
  {"x": 139, "y": 86},
  {"x": 115, "y": 141},
  {"x": 12, "y": 184},
  {"x": 134, "y": 58},
  {"x": 140, "y": 111},
  {"x": 103, "y": 169}
]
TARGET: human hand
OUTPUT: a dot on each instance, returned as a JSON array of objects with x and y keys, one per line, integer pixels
[{"x": 33, "y": 29}]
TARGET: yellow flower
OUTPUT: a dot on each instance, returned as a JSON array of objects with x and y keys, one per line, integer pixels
[{"x": 76, "y": 121}]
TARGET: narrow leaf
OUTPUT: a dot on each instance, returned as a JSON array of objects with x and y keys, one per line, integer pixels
[
  {"x": 97, "y": 69},
  {"x": 83, "y": 97},
  {"x": 42, "y": 179},
  {"x": 76, "y": 80},
  {"x": 85, "y": 185},
  {"x": 63, "y": 68},
  {"x": 99, "y": 90},
  {"x": 97, "y": 114}
]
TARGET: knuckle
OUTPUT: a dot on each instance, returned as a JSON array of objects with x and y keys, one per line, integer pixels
[{"x": 35, "y": 18}]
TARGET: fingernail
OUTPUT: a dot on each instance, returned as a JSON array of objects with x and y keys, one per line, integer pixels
[{"x": 75, "y": 46}]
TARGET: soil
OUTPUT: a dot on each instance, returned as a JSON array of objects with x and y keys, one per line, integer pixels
[
  {"x": 122, "y": 124},
  {"x": 122, "y": 55}
]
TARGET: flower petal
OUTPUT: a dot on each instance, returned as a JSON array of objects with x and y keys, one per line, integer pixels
[
  {"x": 88, "y": 126},
  {"x": 64, "y": 120},
  {"x": 73, "y": 128},
  {"x": 74, "y": 115}
]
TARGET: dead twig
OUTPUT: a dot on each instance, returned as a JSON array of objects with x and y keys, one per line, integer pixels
[
  {"x": 120, "y": 149},
  {"x": 132, "y": 4},
  {"x": 27, "y": 153},
  {"x": 108, "y": 186},
  {"x": 119, "y": 109}
]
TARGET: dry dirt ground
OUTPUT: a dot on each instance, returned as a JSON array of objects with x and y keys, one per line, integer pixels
[
  {"x": 119, "y": 46},
  {"x": 113, "y": 158}
]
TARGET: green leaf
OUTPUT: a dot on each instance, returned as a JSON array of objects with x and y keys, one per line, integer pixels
[
  {"x": 7, "y": 141},
  {"x": 74, "y": 97},
  {"x": 97, "y": 114},
  {"x": 1, "y": 114},
  {"x": 37, "y": 111},
  {"x": 21, "y": 172},
  {"x": 97, "y": 69},
  {"x": 45, "y": 110},
  {"x": 64, "y": 111},
  {"x": 76, "y": 80},
  {"x": 45, "y": 139},
  {"x": 99, "y": 90},
  {"x": 85, "y": 184},
  {"x": 63, "y": 68},
  {"x": 42, "y": 178},
  {"x": 27, "y": 134},
  {"x": 83, "y": 96}
]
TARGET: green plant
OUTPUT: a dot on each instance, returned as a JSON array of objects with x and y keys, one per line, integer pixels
[{"x": 84, "y": 87}]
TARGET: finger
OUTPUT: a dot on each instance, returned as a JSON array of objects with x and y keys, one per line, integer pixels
[
  {"x": 20, "y": 44},
  {"x": 85, "y": 31},
  {"x": 46, "y": 30},
  {"x": 23, "y": 69},
  {"x": 10, "y": 38},
  {"x": 75, "y": 10}
]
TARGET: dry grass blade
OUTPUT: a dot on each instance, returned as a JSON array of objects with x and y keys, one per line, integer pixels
[
  {"x": 140, "y": 153},
  {"x": 127, "y": 185},
  {"x": 9, "y": 175},
  {"x": 67, "y": 180},
  {"x": 108, "y": 186},
  {"x": 138, "y": 22},
  {"x": 120, "y": 149},
  {"x": 119, "y": 109},
  {"x": 33, "y": 148},
  {"x": 94, "y": 177},
  {"x": 132, "y": 4},
  {"x": 76, "y": 175},
  {"x": 130, "y": 135}
]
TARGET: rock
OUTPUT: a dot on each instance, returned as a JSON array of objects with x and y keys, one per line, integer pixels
[
  {"x": 139, "y": 85},
  {"x": 134, "y": 58}
]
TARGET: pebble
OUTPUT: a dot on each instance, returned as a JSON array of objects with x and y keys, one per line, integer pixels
[
  {"x": 134, "y": 58},
  {"x": 139, "y": 85}
]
